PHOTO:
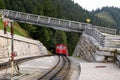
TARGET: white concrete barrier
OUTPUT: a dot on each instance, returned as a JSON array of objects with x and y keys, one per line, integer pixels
[{"x": 22, "y": 46}]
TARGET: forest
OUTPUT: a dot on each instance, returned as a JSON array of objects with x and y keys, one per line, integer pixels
[{"x": 65, "y": 9}]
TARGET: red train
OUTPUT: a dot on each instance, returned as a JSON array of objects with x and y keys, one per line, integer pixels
[{"x": 61, "y": 49}]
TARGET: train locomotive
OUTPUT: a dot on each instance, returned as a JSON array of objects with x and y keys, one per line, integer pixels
[{"x": 61, "y": 49}]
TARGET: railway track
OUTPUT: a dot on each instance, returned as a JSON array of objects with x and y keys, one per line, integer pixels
[
  {"x": 5, "y": 67},
  {"x": 59, "y": 71},
  {"x": 63, "y": 73},
  {"x": 19, "y": 61}
]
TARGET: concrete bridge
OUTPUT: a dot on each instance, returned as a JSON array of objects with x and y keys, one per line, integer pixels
[{"x": 96, "y": 44}]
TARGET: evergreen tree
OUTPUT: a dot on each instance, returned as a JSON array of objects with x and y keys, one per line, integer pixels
[{"x": 2, "y": 5}]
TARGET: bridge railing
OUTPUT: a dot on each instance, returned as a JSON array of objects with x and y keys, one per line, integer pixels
[
  {"x": 102, "y": 29},
  {"x": 55, "y": 23},
  {"x": 96, "y": 34},
  {"x": 105, "y": 30},
  {"x": 44, "y": 21}
]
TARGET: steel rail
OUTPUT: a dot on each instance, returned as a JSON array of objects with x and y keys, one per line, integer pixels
[
  {"x": 20, "y": 60},
  {"x": 59, "y": 71}
]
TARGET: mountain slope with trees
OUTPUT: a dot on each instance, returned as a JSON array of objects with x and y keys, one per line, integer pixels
[
  {"x": 109, "y": 14},
  {"x": 65, "y": 9}
]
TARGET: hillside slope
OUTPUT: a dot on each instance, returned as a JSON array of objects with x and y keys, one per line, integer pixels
[
  {"x": 109, "y": 14},
  {"x": 106, "y": 16}
]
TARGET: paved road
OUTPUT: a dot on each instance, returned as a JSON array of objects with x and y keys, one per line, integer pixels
[{"x": 99, "y": 71}]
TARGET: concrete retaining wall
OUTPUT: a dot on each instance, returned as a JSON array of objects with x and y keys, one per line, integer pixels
[
  {"x": 22, "y": 46},
  {"x": 88, "y": 49}
]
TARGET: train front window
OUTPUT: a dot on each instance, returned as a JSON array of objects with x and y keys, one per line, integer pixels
[{"x": 60, "y": 47}]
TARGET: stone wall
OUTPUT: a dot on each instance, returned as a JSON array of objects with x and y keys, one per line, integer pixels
[
  {"x": 89, "y": 49},
  {"x": 22, "y": 46}
]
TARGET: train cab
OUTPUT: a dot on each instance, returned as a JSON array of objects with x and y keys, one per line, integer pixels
[{"x": 61, "y": 49}]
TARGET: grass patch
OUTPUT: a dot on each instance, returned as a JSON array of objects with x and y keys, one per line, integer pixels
[
  {"x": 106, "y": 16},
  {"x": 17, "y": 29},
  {"x": 49, "y": 53}
]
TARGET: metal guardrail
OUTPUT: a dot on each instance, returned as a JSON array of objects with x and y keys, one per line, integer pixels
[
  {"x": 96, "y": 34},
  {"x": 105, "y": 30},
  {"x": 55, "y": 23}
]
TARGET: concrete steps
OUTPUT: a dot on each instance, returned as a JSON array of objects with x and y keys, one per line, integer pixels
[{"x": 112, "y": 40}]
